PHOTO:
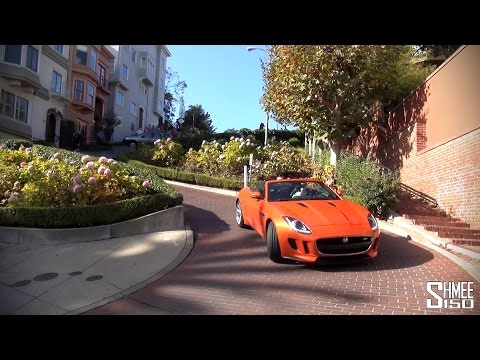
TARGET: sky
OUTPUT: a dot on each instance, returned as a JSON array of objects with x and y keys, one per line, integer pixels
[{"x": 225, "y": 79}]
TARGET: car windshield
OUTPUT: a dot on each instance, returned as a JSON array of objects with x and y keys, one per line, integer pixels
[{"x": 299, "y": 190}]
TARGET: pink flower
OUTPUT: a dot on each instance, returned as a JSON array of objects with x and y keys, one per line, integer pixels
[
  {"x": 147, "y": 184},
  {"x": 86, "y": 158},
  {"x": 76, "y": 188},
  {"x": 111, "y": 161},
  {"x": 31, "y": 168},
  {"x": 23, "y": 163},
  {"x": 102, "y": 159},
  {"x": 92, "y": 180},
  {"x": 57, "y": 155},
  {"x": 107, "y": 172},
  {"x": 13, "y": 197},
  {"x": 77, "y": 179},
  {"x": 169, "y": 139},
  {"x": 101, "y": 170},
  {"x": 90, "y": 165}
]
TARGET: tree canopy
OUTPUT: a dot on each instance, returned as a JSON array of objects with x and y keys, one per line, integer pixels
[
  {"x": 196, "y": 117},
  {"x": 174, "y": 90},
  {"x": 331, "y": 90}
]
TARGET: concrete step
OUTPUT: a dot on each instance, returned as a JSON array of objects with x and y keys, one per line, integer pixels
[
  {"x": 472, "y": 243},
  {"x": 451, "y": 228}
]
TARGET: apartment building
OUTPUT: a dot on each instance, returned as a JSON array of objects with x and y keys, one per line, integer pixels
[
  {"x": 88, "y": 86},
  {"x": 33, "y": 90},
  {"x": 137, "y": 85}
]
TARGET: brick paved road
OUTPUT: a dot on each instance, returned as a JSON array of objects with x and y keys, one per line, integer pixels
[{"x": 228, "y": 272}]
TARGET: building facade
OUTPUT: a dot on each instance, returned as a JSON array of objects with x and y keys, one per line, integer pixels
[
  {"x": 137, "y": 85},
  {"x": 33, "y": 90},
  {"x": 88, "y": 87}
]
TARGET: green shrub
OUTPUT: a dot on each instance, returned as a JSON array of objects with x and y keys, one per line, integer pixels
[
  {"x": 364, "y": 180},
  {"x": 191, "y": 178},
  {"x": 294, "y": 142},
  {"x": 166, "y": 153},
  {"x": 41, "y": 191}
]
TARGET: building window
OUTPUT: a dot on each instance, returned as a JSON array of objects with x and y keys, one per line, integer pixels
[
  {"x": 78, "y": 90},
  {"x": 56, "y": 82},
  {"x": 93, "y": 60},
  {"x": 32, "y": 58},
  {"x": 150, "y": 67},
  {"x": 90, "y": 94},
  {"x": 133, "y": 108},
  {"x": 21, "y": 109},
  {"x": 143, "y": 89},
  {"x": 125, "y": 71},
  {"x": 102, "y": 74},
  {"x": 59, "y": 48},
  {"x": 162, "y": 86},
  {"x": 81, "y": 55},
  {"x": 127, "y": 47},
  {"x": 134, "y": 54},
  {"x": 119, "y": 98},
  {"x": 143, "y": 62},
  {"x": 13, "y": 54},
  {"x": 7, "y": 100}
]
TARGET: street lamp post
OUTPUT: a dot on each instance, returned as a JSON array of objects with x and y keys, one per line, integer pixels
[{"x": 251, "y": 48}]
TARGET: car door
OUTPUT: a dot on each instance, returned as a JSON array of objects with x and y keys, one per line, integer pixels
[{"x": 256, "y": 206}]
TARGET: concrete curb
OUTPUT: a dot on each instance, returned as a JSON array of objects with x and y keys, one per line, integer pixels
[
  {"x": 189, "y": 242},
  {"x": 168, "y": 219},
  {"x": 204, "y": 188}
]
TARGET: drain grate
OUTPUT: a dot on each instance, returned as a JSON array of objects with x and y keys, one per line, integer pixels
[
  {"x": 21, "y": 283},
  {"x": 45, "y": 277},
  {"x": 94, "y": 278}
]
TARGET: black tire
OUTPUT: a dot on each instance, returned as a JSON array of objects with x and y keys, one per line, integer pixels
[
  {"x": 239, "y": 214},
  {"x": 273, "y": 247}
]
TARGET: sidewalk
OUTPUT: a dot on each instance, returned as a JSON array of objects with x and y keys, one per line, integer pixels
[{"x": 75, "y": 278}]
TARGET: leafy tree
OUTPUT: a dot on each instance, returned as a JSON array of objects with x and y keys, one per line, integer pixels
[
  {"x": 438, "y": 50},
  {"x": 174, "y": 90},
  {"x": 196, "y": 117},
  {"x": 106, "y": 125},
  {"x": 332, "y": 90}
]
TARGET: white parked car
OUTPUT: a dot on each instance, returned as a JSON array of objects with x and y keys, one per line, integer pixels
[{"x": 149, "y": 137}]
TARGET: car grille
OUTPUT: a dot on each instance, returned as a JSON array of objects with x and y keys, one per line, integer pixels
[{"x": 336, "y": 246}]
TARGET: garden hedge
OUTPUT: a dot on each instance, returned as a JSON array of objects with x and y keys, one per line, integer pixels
[
  {"x": 94, "y": 215},
  {"x": 191, "y": 178}
]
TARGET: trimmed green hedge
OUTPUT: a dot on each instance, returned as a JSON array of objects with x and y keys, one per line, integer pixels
[
  {"x": 94, "y": 215},
  {"x": 101, "y": 214},
  {"x": 191, "y": 178}
]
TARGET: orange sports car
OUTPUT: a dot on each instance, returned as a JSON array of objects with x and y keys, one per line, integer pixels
[{"x": 305, "y": 220}]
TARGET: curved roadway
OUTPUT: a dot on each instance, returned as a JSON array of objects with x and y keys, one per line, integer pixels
[{"x": 228, "y": 272}]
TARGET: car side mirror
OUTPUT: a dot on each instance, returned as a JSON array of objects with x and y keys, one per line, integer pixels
[
  {"x": 256, "y": 195},
  {"x": 339, "y": 192}
]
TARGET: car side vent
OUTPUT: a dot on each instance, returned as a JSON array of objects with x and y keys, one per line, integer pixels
[
  {"x": 329, "y": 203},
  {"x": 302, "y": 204}
]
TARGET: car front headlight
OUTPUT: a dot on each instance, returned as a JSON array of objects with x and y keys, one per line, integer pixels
[
  {"x": 373, "y": 222},
  {"x": 297, "y": 225}
]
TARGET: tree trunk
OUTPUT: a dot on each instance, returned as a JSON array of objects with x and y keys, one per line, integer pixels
[{"x": 334, "y": 152}]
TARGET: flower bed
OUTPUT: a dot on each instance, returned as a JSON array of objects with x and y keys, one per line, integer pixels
[{"x": 46, "y": 187}]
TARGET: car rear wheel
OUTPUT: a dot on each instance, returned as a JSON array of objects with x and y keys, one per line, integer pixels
[
  {"x": 273, "y": 247},
  {"x": 239, "y": 215}
]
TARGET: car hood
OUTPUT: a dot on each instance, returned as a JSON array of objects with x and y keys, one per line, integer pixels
[{"x": 323, "y": 212}]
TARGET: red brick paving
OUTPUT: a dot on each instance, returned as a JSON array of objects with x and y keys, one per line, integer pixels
[{"x": 228, "y": 272}]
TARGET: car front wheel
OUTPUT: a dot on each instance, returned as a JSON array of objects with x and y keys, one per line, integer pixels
[
  {"x": 239, "y": 215},
  {"x": 273, "y": 247}
]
